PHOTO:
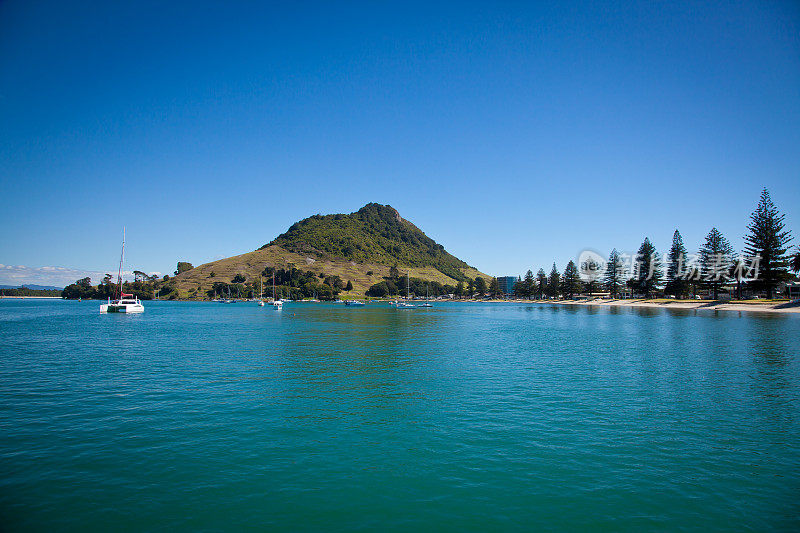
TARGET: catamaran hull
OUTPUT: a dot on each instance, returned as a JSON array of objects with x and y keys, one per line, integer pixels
[{"x": 128, "y": 308}]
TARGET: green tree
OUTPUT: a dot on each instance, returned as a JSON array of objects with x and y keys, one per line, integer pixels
[
  {"x": 716, "y": 260},
  {"x": 349, "y": 286},
  {"x": 648, "y": 270},
  {"x": 796, "y": 261},
  {"x": 768, "y": 241},
  {"x": 183, "y": 266},
  {"x": 238, "y": 278},
  {"x": 553, "y": 282},
  {"x": 392, "y": 288},
  {"x": 335, "y": 282},
  {"x": 394, "y": 273},
  {"x": 525, "y": 287},
  {"x": 571, "y": 281},
  {"x": 494, "y": 288},
  {"x": 480, "y": 285},
  {"x": 613, "y": 277},
  {"x": 541, "y": 284},
  {"x": 677, "y": 284},
  {"x": 378, "y": 290},
  {"x": 459, "y": 292}
]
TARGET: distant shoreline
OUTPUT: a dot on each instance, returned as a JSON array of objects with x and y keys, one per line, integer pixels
[{"x": 3, "y": 297}]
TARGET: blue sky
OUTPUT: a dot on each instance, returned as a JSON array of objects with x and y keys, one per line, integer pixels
[{"x": 515, "y": 134}]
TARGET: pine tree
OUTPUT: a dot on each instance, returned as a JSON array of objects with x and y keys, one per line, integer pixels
[
  {"x": 571, "y": 281},
  {"x": 676, "y": 267},
  {"x": 528, "y": 284},
  {"x": 553, "y": 282},
  {"x": 648, "y": 271},
  {"x": 716, "y": 259},
  {"x": 523, "y": 288},
  {"x": 769, "y": 242},
  {"x": 349, "y": 286},
  {"x": 590, "y": 272},
  {"x": 541, "y": 283},
  {"x": 613, "y": 277},
  {"x": 494, "y": 288},
  {"x": 480, "y": 285}
]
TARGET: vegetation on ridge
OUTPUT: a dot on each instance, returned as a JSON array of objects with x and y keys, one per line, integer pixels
[{"x": 374, "y": 234}]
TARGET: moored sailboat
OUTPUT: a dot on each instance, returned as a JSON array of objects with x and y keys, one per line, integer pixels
[
  {"x": 427, "y": 302},
  {"x": 125, "y": 303},
  {"x": 276, "y": 304},
  {"x": 406, "y": 304}
]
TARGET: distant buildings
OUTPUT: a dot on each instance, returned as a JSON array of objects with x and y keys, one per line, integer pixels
[{"x": 507, "y": 284}]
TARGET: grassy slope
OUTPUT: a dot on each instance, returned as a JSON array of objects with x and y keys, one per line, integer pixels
[{"x": 252, "y": 264}]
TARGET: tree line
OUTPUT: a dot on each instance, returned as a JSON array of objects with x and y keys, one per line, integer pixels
[
  {"x": 290, "y": 283},
  {"x": 25, "y": 291},
  {"x": 143, "y": 287},
  {"x": 765, "y": 262}
]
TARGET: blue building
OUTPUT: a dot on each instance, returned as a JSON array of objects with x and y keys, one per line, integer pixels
[{"x": 507, "y": 284}]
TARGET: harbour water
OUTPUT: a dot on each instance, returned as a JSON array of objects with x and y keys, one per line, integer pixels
[{"x": 320, "y": 417}]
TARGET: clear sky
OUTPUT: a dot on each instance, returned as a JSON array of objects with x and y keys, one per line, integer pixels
[{"x": 515, "y": 134}]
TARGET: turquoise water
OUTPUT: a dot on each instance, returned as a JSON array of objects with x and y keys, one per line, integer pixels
[{"x": 461, "y": 417}]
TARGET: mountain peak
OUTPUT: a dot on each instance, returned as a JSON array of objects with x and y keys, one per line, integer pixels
[
  {"x": 376, "y": 233},
  {"x": 381, "y": 210}
]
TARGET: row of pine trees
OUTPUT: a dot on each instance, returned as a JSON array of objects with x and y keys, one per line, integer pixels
[{"x": 765, "y": 262}]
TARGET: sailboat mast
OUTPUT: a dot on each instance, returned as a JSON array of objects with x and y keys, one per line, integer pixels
[{"x": 121, "y": 260}]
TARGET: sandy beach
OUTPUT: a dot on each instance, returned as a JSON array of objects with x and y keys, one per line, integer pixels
[{"x": 783, "y": 306}]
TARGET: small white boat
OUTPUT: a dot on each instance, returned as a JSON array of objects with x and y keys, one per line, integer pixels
[
  {"x": 126, "y": 303},
  {"x": 354, "y": 303},
  {"x": 404, "y": 305}
]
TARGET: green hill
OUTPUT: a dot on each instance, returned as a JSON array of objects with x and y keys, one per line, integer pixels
[
  {"x": 360, "y": 247},
  {"x": 374, "y": 234}
]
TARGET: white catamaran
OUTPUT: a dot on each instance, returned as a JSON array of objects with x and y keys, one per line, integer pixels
[{"x": 126, "y": 303}]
